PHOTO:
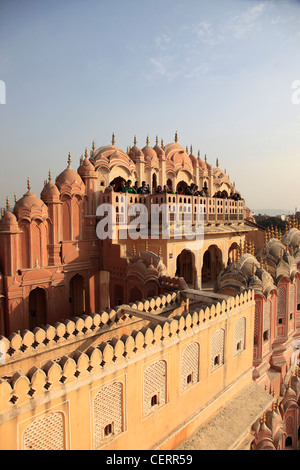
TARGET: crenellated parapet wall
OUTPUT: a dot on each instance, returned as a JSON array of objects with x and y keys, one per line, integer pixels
[
  {"x": 20, "y": 388},
  {"x": 77, "y": 332}
]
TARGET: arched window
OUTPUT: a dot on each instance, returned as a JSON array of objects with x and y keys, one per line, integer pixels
[
  {"x": 46, "y": 433},
  {"x": 217, "y": 349},
  {"x": 239, "y": 335},
  {"x": 281, "y": 305},
  {"x": 155, "y": 387},
  {"x": 190, "y": 365},
  {"x": 108, "y": 413},
  {"x": 267, "y": 320}
]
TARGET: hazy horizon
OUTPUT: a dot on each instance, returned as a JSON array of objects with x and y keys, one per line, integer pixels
[{"x": 219, "y": 73}]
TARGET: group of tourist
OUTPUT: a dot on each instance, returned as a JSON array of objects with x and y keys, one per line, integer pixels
[
  {"x": 224, "y": 195},
  {"x": 189, "y": 190},
  {"x": 126, "y": 187}
]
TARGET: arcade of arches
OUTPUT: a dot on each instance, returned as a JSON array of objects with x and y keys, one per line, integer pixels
[{"x": 212, "y": 264}]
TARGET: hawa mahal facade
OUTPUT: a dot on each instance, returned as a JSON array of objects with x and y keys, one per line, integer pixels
[{"x": 102, "y": 339}]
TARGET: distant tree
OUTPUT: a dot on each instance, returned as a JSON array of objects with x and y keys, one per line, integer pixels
[{"x": 272, "y": 221}]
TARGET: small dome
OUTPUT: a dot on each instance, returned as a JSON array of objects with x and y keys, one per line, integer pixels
[
  {"x": 8, "y": 221},
  {"x": 135, "y": 151},
  {"x": 148, "y": 151},
  {"x": 50, "y": 191},
  {"x": 29, "y": 202},
  {"x": 86, "y": 168},
  {"x": 158, "y": 150},
  {"x": 68, "y": 177}
]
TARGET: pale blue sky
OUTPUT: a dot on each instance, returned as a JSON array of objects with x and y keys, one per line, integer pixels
[{"x": 220, "y": 72}]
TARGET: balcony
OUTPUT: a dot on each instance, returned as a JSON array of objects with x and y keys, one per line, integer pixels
[{"x": 214, "y": 211}]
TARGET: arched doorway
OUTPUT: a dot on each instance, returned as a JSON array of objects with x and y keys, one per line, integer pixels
[
  {"x": 118, "y": 294},
  {"x": 77, "y": 295},
  {"x": 206, "y": 267},
  {"x": 37, "y": 308},
  {"x": 212, "y": 264},
  {"x": 185, "y": 267},
  {"x": 232, "y": 253},
  {"x": 170, "y": 184},
  {"x": 117, "y": 181},
  {"x": 181, "y": 185},
  {"x": 135, "y": 294}
]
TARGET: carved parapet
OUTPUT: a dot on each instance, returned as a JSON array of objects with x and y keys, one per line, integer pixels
[
  {"x": 19, "y": 345},
  {"x": 21, "y": 388}
]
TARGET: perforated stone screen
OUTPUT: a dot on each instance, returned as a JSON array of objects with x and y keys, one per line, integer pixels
[
  {"x": 155, "y": 384},
  {"x": 281, "y": 302},
  {"x": 108, "y": 416},
  {"x": 239, "y": 335},
  {"x": 190, "y": 365},
  {"x": 217, "y": 349},
  {"x": 45, "y": 433}
]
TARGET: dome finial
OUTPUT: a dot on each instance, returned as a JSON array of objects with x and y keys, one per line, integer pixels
[
  {"x": 69, "y": 159},
  {"x": 217, "y": 163},
  {"x": 86, "y": 153},
  {"x": 157, "y": 140},
  {"x": 93, "y": 146},
  {"x": 7, "y": 204},
  {"x": 205, "y": 158},
  {"x": 147, "y": 140},
  {"x": 176, "y": 137},
  {"x": 49, "y": 176},
  {"x": 162, "y": 144},
  {"x": 15, "y": 198},
  {"x": 28, "y": 184},
  {"x": 113, "y": 141},
  {"x": 134, "y": 140},
  {"x": 191, "y": 150}
]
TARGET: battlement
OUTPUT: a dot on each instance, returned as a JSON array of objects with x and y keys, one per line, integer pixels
[{"x": 22, "y": 387}]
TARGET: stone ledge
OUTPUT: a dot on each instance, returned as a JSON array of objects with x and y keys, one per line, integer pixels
[{"x": 230, "y": 424}]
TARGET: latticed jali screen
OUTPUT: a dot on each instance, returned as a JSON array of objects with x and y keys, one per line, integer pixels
[{"x": 45, "y": 433}]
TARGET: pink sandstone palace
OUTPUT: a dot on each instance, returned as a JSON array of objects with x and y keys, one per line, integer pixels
[{"x": 162, "y": 343}]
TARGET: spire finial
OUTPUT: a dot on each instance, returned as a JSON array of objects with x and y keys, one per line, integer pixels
[
  {"x": 176, "y": 137},
  {"x": 205, "y": 158},
  {"x": 7, "y": 204},
  {"x": 217, "y": 163},
  {"x": 69, "y": 159},
  {"x": 157, "y": 140},
  {"x": 113, "y": 141},
  {"x": 28, "y": 184},
  {"x": 49, "y": 176},
  {"x": 134, "y": 140},
  {"x": 147, "y": 140},
  {"x": 198, "y": 153},
  {"x": 191, "y": 150}
]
